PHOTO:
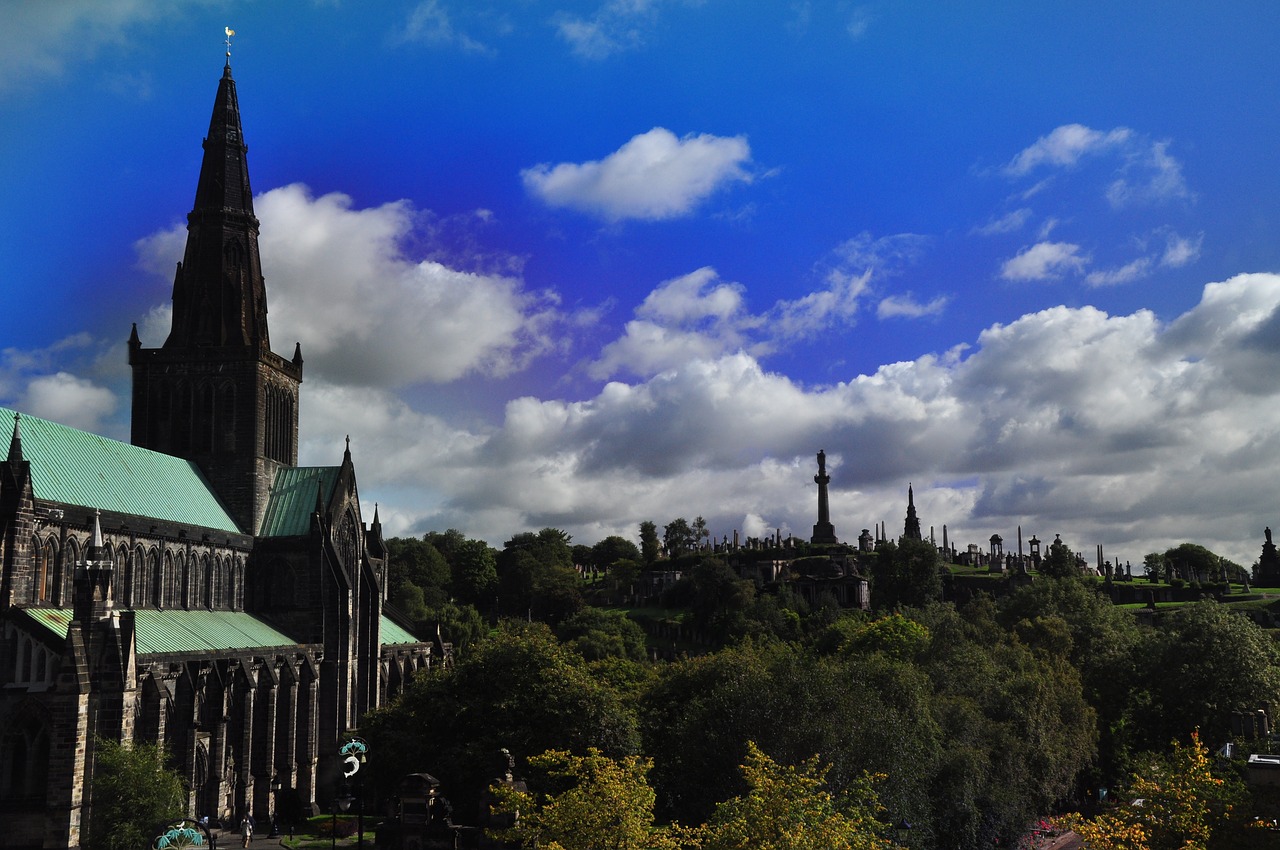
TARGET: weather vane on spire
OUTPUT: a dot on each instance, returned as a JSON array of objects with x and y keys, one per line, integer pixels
[{"x": 230, "y": 33}]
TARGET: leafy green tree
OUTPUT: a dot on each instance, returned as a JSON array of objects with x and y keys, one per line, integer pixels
[
  {"x": 867, "y": 713},
  {"x": 1019, "y": 730},
  {"x": 606, "y": 803},
  {"x": 791, "y": 808},
  {"x": 678, "y": 538},
  {"x": 906, "y": 573},
  {"x": 1193, "y": 563},
  {"x": 413, "y": 562},
  {"x": 581, "y": 554},
  {"x": 1153, "y": 563},
  {"x": 475, "y": 572},
  {"x": 520, "y": 689},
  {"x": 613, "y": 549},
  {"x": 701, "y": 534},
  {"x": 597, "y": 634},
  {"x": 461, "y": 625},
  {"x": 1106, "y": 645},
  {"x": 1202, "y": 662},
  {"x": 894, "y": 635},
  {"x": 446, "y": 542},
  {"x": 133, "y": 792},
  {"x": 649, "y": 545},
  {"x": 1060, "y": 562}
]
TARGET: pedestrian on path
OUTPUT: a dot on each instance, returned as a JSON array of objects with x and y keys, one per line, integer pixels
[{"x": 246, "y": 830}]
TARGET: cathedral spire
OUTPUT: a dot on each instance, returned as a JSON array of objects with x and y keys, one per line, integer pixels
[
  {"x": 911, "y": 529},
  {"x": 219, "y": 298}
]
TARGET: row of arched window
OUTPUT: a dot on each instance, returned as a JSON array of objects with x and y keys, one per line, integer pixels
[
  {"x": 32, "y": 664},
  {"x": 194, "y": 416},
  {"x": 144, "y": 577},
  {"x": 280, "y": 419}
]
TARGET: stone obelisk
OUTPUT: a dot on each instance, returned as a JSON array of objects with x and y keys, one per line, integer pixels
[{"x": 823, "y": 531}]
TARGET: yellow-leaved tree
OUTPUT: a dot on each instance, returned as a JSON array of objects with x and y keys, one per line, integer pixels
[
  {"x": 790, "y": 808},
  {"x": 1176, "y": 804},
  {"x": 607, "y": 805}
]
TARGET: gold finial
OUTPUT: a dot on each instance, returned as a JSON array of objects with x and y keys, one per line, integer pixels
[{"x": 230, "y": 33}]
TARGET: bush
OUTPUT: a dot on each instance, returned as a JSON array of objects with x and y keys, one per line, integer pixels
[{"x": 340, "y": 828}]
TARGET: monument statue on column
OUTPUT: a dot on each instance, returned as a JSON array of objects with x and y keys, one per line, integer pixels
[{"x": 823, "y": 532}]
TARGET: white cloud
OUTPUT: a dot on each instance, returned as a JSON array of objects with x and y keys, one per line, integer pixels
[
  {"x": 906, "y": 306},
  {"x": 39, "y": 40},
  {"x": 65, "y": 398},
  {"x": 1151, "y": 175},
  {"x": 615, "y": 27},
  {"x": 1180, "y": 251},
  {"x": 1129, "y": 272},
  {"x": 430, "y": 23},
  {"x": 368, "y": 314},
  {"x": 1148, "y": 173},
  {"x": 1010, "y": 222},
  {"x": 1065, "y": 146},
  {"x": 1044, "y": 261},
  {"x": 653, "y": 176},
  {"x": 1110, "y": 429}
]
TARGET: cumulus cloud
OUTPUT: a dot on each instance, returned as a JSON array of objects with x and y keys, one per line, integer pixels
[
  {"x": 63, "y": 397},
  {"x": 1114, "y": 429},
  {"x": 369, "y": 314},
  {"x": 1044, "y": 261},
  {"x": 654, "y": 176}
]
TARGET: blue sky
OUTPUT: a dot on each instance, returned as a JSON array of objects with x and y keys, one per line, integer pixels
[{"x": 586, "y": 264}]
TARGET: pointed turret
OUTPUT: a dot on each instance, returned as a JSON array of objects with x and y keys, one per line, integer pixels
[
  {"x": 15, "y": 442},
  {"x": 219, "y": 298}
]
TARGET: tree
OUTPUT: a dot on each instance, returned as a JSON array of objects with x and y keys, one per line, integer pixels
[
  {"x": 790, "y": 808},
  {"x": 475, "y": 572},
  {"x": 906, "y": 573},
  {"x": 520, "y": 689},
  {"x": 598, "y": 634},
  {"x": 1193, "y": 563},
  {"x": 678, "y": 538},
  {"x": 413, "y": 562},
  {"x": 612, "y": 549},
  {"x": 649, "y": 546},
  {"x": 607, "y": 803},
  {"x": 1061, "y": 561},
  {"x": 1203, "y": 662},
  {"x": 1153, "y": 563},
  {"x": 700, "y": 532},
  {"x": 1177, "y": 803},
  {"x": 133, "y": 792}
]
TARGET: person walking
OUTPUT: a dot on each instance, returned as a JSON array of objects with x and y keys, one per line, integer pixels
[{"x": 246, "y": 830}]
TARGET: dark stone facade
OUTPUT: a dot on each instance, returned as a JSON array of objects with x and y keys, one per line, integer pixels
[{"x": 248, "y": 648}]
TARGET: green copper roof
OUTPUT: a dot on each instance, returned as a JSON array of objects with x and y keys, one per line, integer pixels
[
  {"x": 392, "y": 633},
  {"x": 78, "y": 468},
  {"x": 160, "y": 632},
  {"x": 293, "y": 499}
]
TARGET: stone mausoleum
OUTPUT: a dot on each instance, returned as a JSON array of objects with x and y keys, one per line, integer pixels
[{"x": 195, "y": 588}]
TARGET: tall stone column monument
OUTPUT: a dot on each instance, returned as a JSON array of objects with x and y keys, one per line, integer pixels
[{"x": 823, "y": 531}]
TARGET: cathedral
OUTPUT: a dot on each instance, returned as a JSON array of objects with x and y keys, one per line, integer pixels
[{"x": 196, "y": 587}]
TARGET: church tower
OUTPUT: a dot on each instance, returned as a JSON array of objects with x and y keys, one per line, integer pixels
[{"x": 215, "y": 393}]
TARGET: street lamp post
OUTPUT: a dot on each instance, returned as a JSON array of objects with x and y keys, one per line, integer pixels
[
  {"x": 342, "y": 801},
  {"x": 354, "y": 754},
  {"x": 275, "y": 806}
]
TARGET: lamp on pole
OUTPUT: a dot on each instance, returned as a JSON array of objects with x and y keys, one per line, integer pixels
[
  {"x": 343, "y": 802},
  {"x": 354, "y": 754},
  {"x": 275, "y": 805}
]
